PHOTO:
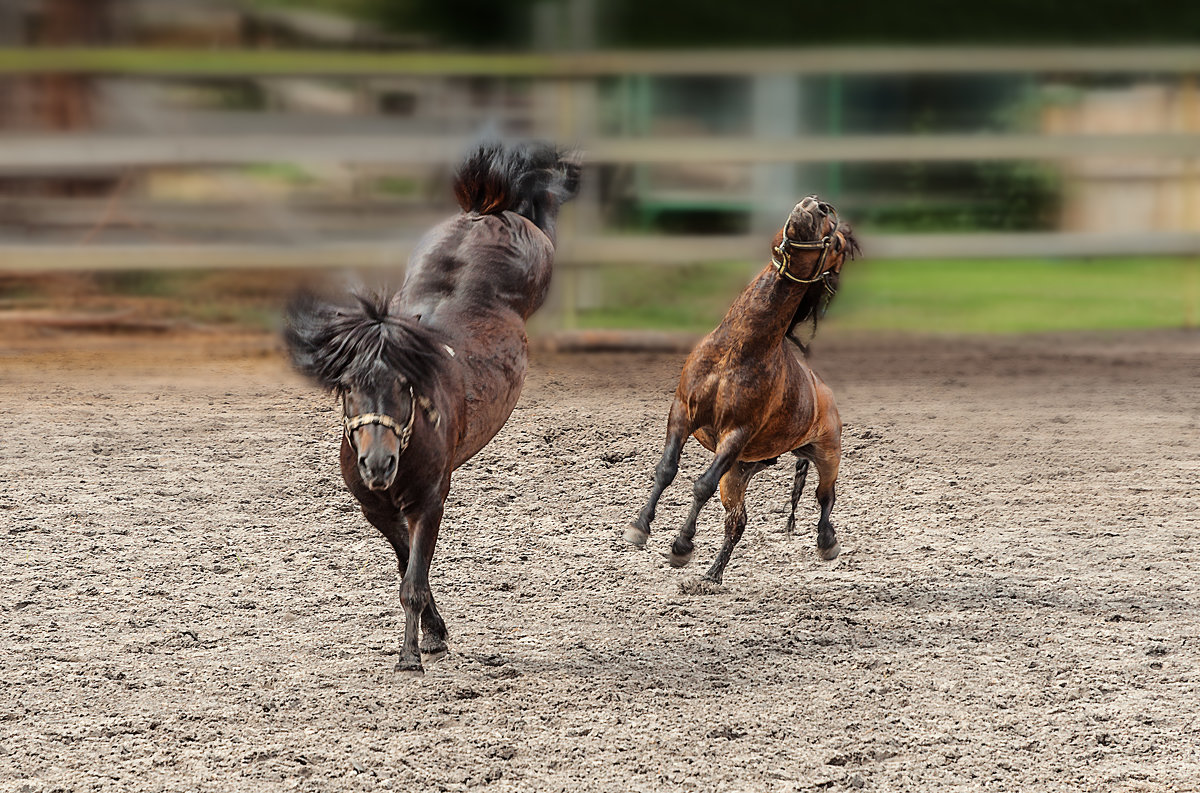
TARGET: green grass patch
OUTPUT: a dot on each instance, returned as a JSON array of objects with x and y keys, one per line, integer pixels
[
  {"x": 284, "y": 172},
  {"x": 944, "y": 296}
]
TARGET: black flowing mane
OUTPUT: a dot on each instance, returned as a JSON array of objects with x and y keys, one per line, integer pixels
[
  {"x": 362, "y": 344},
  {"x": 816, "y": 300}
]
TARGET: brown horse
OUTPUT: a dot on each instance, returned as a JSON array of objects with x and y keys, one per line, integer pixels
[
  {"x": 748, "y": 398},
  {"x": 429, "y": 376}
]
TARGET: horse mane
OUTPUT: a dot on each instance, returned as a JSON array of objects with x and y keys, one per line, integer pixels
[
  {"x": 361, "y": 344},
  {"x": 816, "y": 300}
]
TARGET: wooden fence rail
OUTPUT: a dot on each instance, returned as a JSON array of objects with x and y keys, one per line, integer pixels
[
  {"x": 571, "y": 80},
  {"x": 99, "y": 152},
  {"x": 810, "y": 60}
]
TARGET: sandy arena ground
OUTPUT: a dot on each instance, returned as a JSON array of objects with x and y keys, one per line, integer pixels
[{"x": 191, "y": 600}]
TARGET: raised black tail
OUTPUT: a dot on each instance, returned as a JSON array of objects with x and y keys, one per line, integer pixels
[{"x": 532, "y": 179}]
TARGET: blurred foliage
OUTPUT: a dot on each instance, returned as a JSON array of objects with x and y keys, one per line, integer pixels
[
  {"x": 365, "y": 9},
  {"x": 988, "y": 196},
  {"x": 474, "y": 22},
  {"x": 690, "y": 23},
  {"x": 398, "y": 186},
  {"x": 1019, "y": 296},
  {"x": 286, "y": 172}
]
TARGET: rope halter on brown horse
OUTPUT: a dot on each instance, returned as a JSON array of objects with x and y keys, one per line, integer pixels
[{"x": 782, "y": 258}]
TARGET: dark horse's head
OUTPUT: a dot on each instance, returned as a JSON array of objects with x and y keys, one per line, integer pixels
[
  {"x": 810, "y": 250},
  {"x": 379, "y": 363}
]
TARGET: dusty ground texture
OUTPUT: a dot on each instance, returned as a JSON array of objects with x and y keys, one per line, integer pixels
[{"x": 191, "y": 601}]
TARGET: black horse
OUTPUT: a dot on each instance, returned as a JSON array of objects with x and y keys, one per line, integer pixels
[{"x": 427, "y": 377}]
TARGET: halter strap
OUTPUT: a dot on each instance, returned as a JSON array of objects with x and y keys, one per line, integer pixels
[
  {"x": 784, "y": 259},
  {"x": 403, "y": 432}
]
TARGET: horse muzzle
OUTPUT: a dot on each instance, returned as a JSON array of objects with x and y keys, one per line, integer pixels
[{"x": 377, "y": 469}]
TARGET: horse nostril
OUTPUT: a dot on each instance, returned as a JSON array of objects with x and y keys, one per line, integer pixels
[
  {"x": 362, "y": 461},
  {"x": 391, "y": 465}
]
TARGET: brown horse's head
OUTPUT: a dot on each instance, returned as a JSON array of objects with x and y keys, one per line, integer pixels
[
  {"x": 382, "y": 365},
  {"x": 811, "y": 222},
  {"x": 810, "y": 250}
]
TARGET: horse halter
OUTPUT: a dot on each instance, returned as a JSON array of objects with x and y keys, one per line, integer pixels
[
  {"x": 782, "y": 258},
  {"x": 403, "y": 432}
]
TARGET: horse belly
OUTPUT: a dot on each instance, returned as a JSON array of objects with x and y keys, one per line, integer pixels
[
  {"x": 794, "y": 417},
  {"x": 807, "y": 414}
]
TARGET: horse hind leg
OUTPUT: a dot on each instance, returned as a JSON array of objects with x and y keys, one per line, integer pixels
[
  {"x": 638, "y": 531},
  {"x": 827, "y": 460},
  {"x": 798, "y": 481},
  {"x": 733, "y": 498}
]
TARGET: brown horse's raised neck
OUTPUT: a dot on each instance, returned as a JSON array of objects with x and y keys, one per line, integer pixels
[
  {"x": 429, "y": 375},
  {"x": 748, "y": 399}
]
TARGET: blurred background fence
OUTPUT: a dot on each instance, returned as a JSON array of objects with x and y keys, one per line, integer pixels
[{"x": 201, "y": 136}]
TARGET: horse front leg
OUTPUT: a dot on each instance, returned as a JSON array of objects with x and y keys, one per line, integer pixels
[
  {"x": 433, "y": 633},
  {"x": 423, "y": 526},
  {"x": 433, "y": 627},
  {"x": 678, "y": 430},
  {"x": 727, "y": 453}
]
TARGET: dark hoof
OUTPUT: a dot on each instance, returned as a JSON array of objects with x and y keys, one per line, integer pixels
[
  {"x": 678, "y": 559},
  {"x": 636, "y": 537},
  {"x": 410, "y": 667},
  {"x": 433, "y": 649},
  {"x": 829, "y": 554}
]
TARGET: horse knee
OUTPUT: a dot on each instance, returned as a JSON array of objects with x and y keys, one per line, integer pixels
[
  {"x": 415, "y": 598},
  {"x": 703, "y": 489}
]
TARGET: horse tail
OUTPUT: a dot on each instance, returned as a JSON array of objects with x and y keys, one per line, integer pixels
[{"x": 532, "y": 179}]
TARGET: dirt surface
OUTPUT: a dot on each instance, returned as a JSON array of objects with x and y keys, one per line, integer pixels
[{"x": 192, "y": 602}]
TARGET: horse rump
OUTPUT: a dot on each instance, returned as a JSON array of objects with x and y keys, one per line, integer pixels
[{"x": 532, "y": 178}]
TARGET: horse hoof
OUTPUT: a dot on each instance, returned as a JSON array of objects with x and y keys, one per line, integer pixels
[
  {"x": 678, "y": 559},
  {"x": 434, "y": 650},
  {"x": 636, "y": 537},
  {"x": 829, "y": 554},
  {"x": 410, "y": 668}
]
